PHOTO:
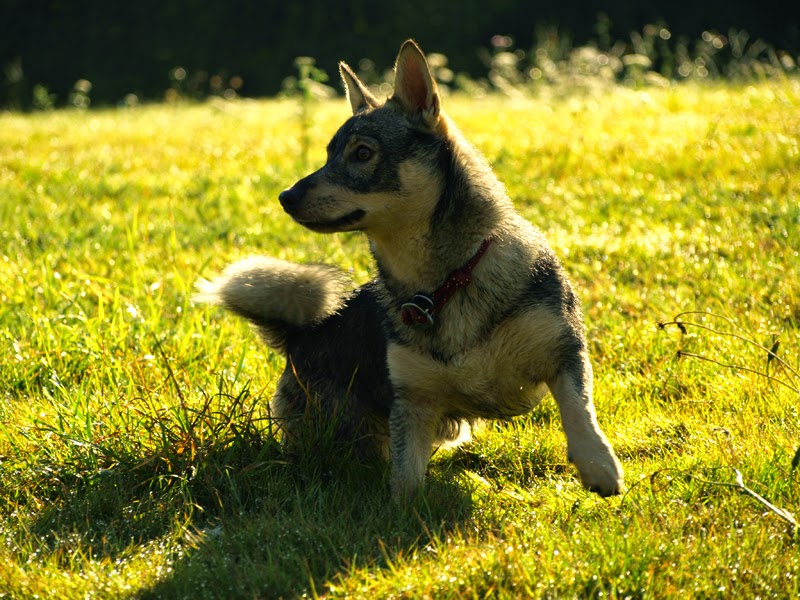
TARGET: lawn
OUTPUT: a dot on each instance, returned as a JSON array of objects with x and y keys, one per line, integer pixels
[{"x": 137, "y": 456}]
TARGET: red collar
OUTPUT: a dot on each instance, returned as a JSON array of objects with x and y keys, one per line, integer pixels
[{"x": 423, "y": 307}]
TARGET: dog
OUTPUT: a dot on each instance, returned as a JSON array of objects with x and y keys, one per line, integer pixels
[{"x": 470, "y": 316}]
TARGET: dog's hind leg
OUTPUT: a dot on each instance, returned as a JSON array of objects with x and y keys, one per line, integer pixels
[{"x": 587, "y": 446}]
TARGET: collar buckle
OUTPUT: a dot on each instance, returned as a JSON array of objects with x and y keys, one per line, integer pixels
[
  {"x": 422, "y": 307},
  {"x": 419, "y": 311}
]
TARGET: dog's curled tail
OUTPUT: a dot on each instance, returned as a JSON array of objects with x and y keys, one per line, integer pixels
[{"x": 277, "y": 296}]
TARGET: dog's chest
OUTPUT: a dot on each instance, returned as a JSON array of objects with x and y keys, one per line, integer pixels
[
  {"x": 468, "y": 388},
  {"x": 503, "y": 376}
]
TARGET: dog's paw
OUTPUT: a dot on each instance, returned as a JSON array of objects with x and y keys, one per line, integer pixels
[{"x": 599, "y": 471}]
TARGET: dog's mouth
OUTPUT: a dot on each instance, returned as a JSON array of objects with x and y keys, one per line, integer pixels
[{"x": 344, "y": 223}]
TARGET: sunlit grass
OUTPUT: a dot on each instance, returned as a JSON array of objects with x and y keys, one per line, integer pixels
[{"x": 136, "y": 450}]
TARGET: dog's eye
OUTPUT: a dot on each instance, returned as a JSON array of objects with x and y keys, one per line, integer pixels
[{"x": 363, "y": 154}]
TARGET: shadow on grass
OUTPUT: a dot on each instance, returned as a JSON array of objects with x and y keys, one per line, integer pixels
[
  {"x": 248, "y": 519},
  {"x": 101, "y": 511},
  {"x": 209, "y": 484},
  {"x": 312, "y": 526}
]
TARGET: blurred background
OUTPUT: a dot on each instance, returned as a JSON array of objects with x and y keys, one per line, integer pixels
[{"x": 104, "y": 52}]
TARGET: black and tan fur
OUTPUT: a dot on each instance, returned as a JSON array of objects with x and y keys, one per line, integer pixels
[{"x": 403, "y": 174}]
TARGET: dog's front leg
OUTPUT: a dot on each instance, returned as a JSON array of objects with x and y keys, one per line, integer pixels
[
  {"x": 587, "y": 446},
  {"x": 412, "y": 430}
]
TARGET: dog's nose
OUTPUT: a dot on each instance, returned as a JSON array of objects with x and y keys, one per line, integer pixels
[
  {"x": 292, "y": 199},
  {"x": 289, "y": 199}
]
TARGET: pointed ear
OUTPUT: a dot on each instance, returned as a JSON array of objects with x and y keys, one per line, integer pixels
[
  {"x": 414, "y": 86},
  {"x": 357, "y": 93}
]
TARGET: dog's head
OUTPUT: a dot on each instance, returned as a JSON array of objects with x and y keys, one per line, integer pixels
[{"x": 383, "y": 170}]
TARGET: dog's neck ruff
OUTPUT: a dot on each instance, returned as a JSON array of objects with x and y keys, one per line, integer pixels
[{"x": 422, "y": 309}]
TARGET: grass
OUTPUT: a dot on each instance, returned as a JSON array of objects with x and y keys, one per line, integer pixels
[{"x": 137, "y": 458}]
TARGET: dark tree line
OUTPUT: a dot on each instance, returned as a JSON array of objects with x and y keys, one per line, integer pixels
[{"x": 133, "y": 47}]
